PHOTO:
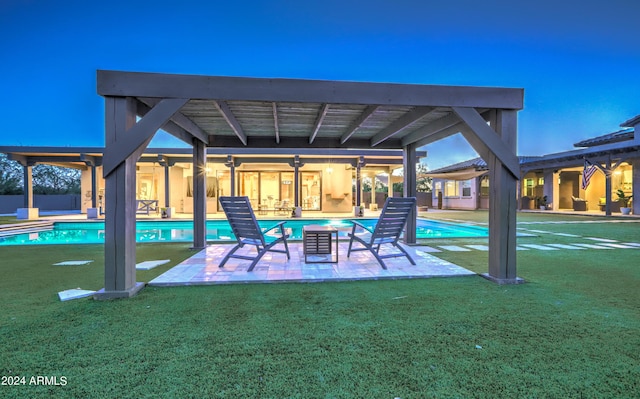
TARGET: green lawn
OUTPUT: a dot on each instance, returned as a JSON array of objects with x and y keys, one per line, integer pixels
[
  {"x": 11, "y": 220},
  {"x": 572, "y": 331}
]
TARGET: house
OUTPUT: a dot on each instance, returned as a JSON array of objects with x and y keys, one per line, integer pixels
[{"x": 558, "y": 177}]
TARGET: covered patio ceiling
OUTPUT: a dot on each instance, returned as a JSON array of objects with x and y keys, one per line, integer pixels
[{"x": 287, "y": 113}]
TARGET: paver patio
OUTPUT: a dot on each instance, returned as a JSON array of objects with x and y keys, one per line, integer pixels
[{"x": 202, "y": 268}]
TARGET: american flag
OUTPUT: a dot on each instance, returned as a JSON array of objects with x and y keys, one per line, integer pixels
[{"x": 589, "y": 170}]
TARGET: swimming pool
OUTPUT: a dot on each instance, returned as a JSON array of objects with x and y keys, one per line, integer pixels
[{"x": 217, "y": 230}]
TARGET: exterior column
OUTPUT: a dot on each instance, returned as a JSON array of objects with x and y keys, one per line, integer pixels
[
  {"x": 296, "y": 182},
  {"x": 607, "y": 187},
  {"x": 232, "y": 175},
  {"x": 359, "y": 164},
  {"x": 27, "y": 186},
  {"x": 551, "y": 188},
  {"x": 410, "y": 160},
  {"x": 503, "y": 205},
  {"x": 390, "y": 183},
  {"x": 635, "y": 185},
  {"x": 199, "y": 194},
  {"x": 166, "y": 185},
  {"x": 94, "y": 186},
  {"x": 120, "y": 197},
  {"x": 28, "y": 212}
]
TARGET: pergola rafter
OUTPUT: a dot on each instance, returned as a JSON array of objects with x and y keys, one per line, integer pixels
[
  {"x": 400, "y": 124},
  {"x": 228, "y": 115}
]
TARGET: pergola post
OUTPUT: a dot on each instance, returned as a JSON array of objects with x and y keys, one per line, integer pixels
[
  {"x": 410, "y": 160},
  {"x": 120, "y": 197},
  {"x": 503, "y": 206},
  {"x": 199, "y": 194}
]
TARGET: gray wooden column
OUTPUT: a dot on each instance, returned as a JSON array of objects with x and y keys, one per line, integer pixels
[
  {"x": 232, "y": 175},
  {"x": 410, "y": 160},
  {"x": 94, "y": 187},
  {"x": 199, "y": 194},
  {"x": 120, "y": 197},
  {"x": 296, "y": 182},
  {"x": 360, "y": 163},
  {"x": 166, "y": 185},
  {"x": 503, "y": 205}
]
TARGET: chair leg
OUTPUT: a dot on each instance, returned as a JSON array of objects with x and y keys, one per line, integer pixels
[
  {"x": 256, "y": 259},
  {"x": 405, "y": 253},
  {"x": 284, "y": 240},
  {"x": 226, "y": 258},
  {"x": 286, "y": 247},
  {"x": 353, "y": 233},
  {"x": 375, "y": 253}
]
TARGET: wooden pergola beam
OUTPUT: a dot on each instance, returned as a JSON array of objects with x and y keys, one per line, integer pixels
[
  {"x": 139, "y": 135},
  {"x": 370, "y": 110},
  {"x": 318, "y": 122},
  {"x": 179, "y": 125},
  {"x": 135, "y": 84},
  {"x": 228, "y": 116},
  {"x": 485, "y": 140},
  {"x": 276, "y": 125},
  {"x": 400, "y": 124},
  {"x": 421, "y": 136}
]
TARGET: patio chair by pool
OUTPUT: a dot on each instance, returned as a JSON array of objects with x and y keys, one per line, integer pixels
[
  {"x": 247, "y": 231},
  {"x": 387, "y": 230}
]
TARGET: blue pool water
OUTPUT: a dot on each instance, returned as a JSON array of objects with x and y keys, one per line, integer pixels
[{"x": 217, "y": 230}]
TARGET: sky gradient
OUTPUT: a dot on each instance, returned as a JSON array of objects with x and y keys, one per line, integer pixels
[{"x": 579, "y": 65}]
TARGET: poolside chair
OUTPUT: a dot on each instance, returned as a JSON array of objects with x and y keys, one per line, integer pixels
[
  {"x": 390, "y": 224},
  {"x": 247, "y": 231}
]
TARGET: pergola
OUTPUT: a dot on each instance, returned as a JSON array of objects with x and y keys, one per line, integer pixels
[{"x": 289, "y": 114}]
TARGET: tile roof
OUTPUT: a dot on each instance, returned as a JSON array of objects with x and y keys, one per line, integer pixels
[
  {"x": 476, "y": 163},
  {"x": 615, "y": 137}
]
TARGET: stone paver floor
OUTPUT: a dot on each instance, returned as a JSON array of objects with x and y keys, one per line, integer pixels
[{"x": 202, "y": 268}]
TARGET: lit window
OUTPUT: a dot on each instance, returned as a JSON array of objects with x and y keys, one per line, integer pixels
[{"x": 451, "y": 188}]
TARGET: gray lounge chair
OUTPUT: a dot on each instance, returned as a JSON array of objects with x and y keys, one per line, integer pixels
[
  {"x": 387, "y": 231},
  {"x": 247, "y": 231}
]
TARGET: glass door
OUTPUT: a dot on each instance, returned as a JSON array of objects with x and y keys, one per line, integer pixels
[
  {"x": 310, "y": 192},
  {"x": 249, "y": 185},
  {"x": 269, "y": 189}
]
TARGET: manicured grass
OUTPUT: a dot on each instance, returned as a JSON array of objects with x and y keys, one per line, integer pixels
[
  {"x": 11, "y": 220},
  {"x": 572, "y": 331}
]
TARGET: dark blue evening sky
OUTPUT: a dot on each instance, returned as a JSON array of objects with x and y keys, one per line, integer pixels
[{"x": 578, "y": 61}]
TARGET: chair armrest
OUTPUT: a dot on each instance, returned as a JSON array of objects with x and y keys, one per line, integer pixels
[
  {"x": 275, "y": 226},
  {"x": 356, "y": 223}
]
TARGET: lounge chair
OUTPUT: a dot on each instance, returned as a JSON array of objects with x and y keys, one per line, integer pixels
[
  {"x": 247, "y": 231},
  {"x": 390, "y": 224}
]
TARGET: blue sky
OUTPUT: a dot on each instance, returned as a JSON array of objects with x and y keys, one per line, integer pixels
[{"x": 578, "y": 61}]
